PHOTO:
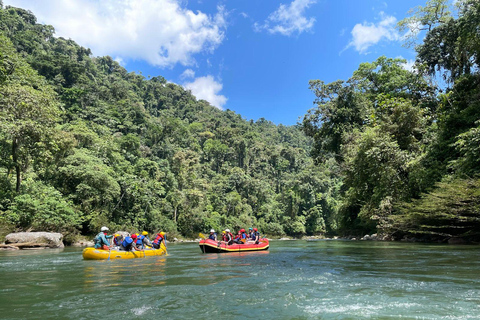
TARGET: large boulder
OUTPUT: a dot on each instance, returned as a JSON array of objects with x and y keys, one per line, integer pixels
[{"x": 47, "y": 239}]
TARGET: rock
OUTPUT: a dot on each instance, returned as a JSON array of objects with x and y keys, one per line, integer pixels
[
  {"x": 122, "y": 233},
  {"x": 366, "y": 237},
  {"x": 354, "y": 239},
  {"x": 48, "y": 239},
  {"x": 8, "y": 247},
  {"x": 456, "y": 241},
  {"x": 174, "y": 240},
  {"x": 374, "y": 237}
]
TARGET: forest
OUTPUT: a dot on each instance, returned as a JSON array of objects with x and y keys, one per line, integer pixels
[{"x": 85, "y": 143}]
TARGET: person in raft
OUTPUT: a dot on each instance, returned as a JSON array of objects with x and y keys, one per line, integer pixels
[
  {"x": 146, "y": 240},
  {"x": 101, "y": 240},
  {"x": 129, "y": 243},
  {"x": 213, "y": 235},
  {"x": 237, "y": 237},
  {"x": 229, "y": 237},
  {"x": 142, "y": 240},
  {"x": 250, "y": 233},
  {"x": 255, "y": 235},
  {"x": 243, "y": 236},
  {"x": 117, "y": 239},
  {"x": 158, "y": 240}
]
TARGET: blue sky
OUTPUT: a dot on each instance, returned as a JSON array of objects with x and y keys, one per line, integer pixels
[{"x": 253, "y": 57}]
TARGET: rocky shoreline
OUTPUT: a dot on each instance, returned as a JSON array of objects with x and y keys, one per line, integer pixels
[{"x": 44, "y": 240}]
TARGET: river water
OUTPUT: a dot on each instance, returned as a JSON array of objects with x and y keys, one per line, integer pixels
[{"x": 294, "y": 280}]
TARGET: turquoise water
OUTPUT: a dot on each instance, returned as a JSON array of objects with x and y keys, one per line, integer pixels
[{"x": 294, "y": 280}]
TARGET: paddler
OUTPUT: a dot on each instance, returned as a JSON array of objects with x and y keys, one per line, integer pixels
[
  {"x": 117, "y": 239},
  {"x": 129, "y": 244},
  {"x": 101, "y": 240},
  {"x": 229, "y": 237},
  {"x": 213, "y": 235},
  {"x": 158, "y": 240}
]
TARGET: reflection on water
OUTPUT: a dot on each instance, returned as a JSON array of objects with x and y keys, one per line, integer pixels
[{"x": 294, "y": 280}]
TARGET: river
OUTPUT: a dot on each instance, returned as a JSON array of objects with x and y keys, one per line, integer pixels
[{"x": 293, "y": 280}]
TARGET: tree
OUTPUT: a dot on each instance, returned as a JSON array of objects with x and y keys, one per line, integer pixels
[
  {"x": 424, "y": 18},
  {"x": 28, "y": 110}
]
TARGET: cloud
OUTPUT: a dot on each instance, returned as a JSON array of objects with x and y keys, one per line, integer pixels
[
  {"x": 364, "y": 35},
  {"x": 160, "y": 32},
  {"x": 187, "y": 74},
  {"x": 206, "y": 88},
  {"x": 408, "y": 65},
  {"x": 288, "y": 19}
]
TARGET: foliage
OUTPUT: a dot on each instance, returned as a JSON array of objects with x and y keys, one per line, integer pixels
[
  {"x": 139, "y": 154},
  {"x": 394, "y": 135}
]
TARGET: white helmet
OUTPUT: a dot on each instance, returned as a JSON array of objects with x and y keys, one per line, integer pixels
[
  {"x": 212, "y": 230},
  {"x": 227, "y": 230},
  {"x": 104, "y": 229}
]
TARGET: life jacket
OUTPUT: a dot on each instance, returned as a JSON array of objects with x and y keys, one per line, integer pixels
[
  {"x": 243, "y": 236},
  {"x": 158, "y": 239},
  {"x": 229, "y": 236},
  {"x": 117, "y": 240},
  {"x": 255, "y": 236},
  {"x": 212, "y": 236},
  {"x": 140, "y": 239},
  {"x": 127, "y": 242}
]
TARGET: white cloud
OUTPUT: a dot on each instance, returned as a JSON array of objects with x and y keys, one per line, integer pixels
[
  {"x": 288, "y": 19},
  {"x": 160, "y": 32},
  {"x": 364, "y": 35},
  {"x": 187, "y": 74},
  {"x": 408, "y": 65},
  {"x": 206, "y": 88}
]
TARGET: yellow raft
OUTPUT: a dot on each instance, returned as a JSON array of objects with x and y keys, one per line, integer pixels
[{"x": 98, "y": 254}]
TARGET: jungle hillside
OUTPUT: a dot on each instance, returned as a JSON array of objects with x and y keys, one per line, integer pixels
[{"x": 392, "y": 150}]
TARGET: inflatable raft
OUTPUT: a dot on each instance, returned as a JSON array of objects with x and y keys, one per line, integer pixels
[
  {"x": 211, "y": 246},
  {"x": 98, "y": 254}
]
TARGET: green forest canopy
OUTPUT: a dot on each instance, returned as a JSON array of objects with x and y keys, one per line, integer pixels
[{"x": 85, "y": 143}]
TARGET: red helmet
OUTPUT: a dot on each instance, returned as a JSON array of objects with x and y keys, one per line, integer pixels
[
  {"x": 134, "y": 236},
  {"x": 255, "y": 229},
  {"x": 242, "y": 230}
]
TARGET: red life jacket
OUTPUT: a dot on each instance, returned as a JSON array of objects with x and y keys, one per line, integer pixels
[{"x": 158, "y": 239}]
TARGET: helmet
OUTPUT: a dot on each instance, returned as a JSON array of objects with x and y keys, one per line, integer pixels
[
  {"x": 255, "y": 229},
  {"x": 162, "y": 233},
  {"x": 103, "y": 229},
  {"x": 134, "y": 236},
  {"x": 242, "y": 230},
  {"x": 137, "y": 234},
  {"x": 223, "y": 232},
  {"x": 212, "y": 230},
  {"x": 116, "y": 235},
  {"x": 250, "y": 229},
  {"x": 227, "y": 230},
  {"x": 144, "y": 233}
]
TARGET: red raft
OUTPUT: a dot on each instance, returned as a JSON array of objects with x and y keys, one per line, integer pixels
[{"x": 212, "y": 246}]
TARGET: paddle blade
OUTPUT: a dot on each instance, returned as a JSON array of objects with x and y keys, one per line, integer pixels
[{"x": 201, "y": 235}]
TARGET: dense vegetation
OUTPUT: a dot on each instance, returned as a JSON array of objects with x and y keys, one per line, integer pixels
[
  {"x": 85, "y": 143},
  {"x": 408, "y": 149}
]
